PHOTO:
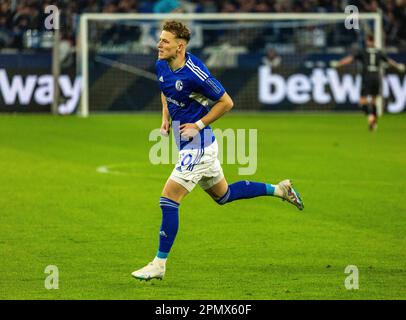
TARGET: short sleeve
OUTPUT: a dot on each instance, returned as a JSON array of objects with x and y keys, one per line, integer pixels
[
  {"x": 204, "y": 82},
  {"x": 211, "y": 88}
]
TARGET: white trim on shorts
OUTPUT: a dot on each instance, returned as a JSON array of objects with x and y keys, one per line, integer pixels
[{"x": 205, "y": 183}]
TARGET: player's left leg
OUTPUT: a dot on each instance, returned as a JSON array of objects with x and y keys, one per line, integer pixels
[
  {"x": 371, "y": 89},
  {"x": 369, "y": 108},
  {"x": 373, "y": 115},
  {"x": 364, "y": 104},
  {"x": 224, "y": 193}
]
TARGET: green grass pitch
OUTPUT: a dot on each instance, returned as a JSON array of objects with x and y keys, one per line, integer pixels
[{"x": 56, "y": 209}]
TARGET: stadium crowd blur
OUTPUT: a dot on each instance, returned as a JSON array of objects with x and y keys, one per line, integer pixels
[{"x": 21, "y": 18}]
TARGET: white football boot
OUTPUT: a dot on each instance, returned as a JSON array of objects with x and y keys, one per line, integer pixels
[
  {"x": 154, "y": 270},
  {"x": 290, "y": 194}
]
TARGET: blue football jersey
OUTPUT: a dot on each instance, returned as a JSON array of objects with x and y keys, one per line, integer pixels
[{"x": 188, "y": 91}]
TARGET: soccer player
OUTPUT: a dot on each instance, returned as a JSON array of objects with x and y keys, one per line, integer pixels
[
  {"x": 186, "y": 85},
  {"x": 371, "y": 59}
]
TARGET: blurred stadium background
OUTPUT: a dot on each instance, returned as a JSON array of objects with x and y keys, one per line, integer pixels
[
  {"x": 58, "y": 208},
  {"x": 122, "y": 55}
]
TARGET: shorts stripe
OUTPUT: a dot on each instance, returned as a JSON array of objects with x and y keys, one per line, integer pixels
[{"x": 197, "y": 160}]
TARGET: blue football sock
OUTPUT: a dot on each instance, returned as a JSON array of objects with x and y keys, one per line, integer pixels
[
  {"x": 169, "y": 226},
  {"x": 246, "y": 190}
]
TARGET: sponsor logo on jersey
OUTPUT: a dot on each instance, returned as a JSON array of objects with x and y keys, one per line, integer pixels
[{"x": 179, "y": 104}]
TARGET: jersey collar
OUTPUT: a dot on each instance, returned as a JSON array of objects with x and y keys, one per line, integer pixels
[{"x": 177, "y": 70}]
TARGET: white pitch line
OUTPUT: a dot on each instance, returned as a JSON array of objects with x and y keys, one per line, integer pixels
[{"x": 108, "y": 169}]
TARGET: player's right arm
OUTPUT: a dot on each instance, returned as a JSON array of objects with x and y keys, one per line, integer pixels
[
  {"x": 166, "y": 124},
  {"x": 343, "y": 62}
]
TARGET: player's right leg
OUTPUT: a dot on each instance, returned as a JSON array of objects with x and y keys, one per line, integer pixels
[{"x": 172, "y": 194}]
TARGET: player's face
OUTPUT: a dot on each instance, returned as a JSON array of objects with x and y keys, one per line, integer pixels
[{"x": 167, "y": 46}]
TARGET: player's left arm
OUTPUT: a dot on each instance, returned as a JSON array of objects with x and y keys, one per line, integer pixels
[
  {"x": 222, "y": 106},
  {"x": 399, "y": 66}
]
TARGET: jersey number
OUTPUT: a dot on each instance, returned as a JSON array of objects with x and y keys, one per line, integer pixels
[
  {"x": 186, "y": 160},
  {"x": 372, "y": 59}
]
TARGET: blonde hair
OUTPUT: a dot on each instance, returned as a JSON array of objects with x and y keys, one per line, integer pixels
[{"x": 178, "y": 29}]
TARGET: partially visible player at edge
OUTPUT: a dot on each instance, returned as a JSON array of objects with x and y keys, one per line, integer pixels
[
  {"x": 371, "y": 59},
  {"x": 186, "y": 85}
]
